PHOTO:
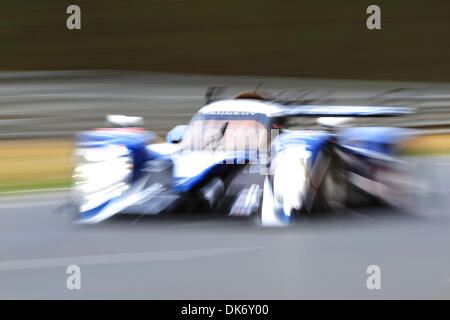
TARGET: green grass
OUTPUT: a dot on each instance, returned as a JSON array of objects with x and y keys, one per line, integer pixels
[
  {"x": 35, "y": 164},
  {"x": 35, "y": 185},
  {"x": 424, "y": 152}
]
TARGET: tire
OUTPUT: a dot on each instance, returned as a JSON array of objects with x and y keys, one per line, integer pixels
[{"x": 334, "y": 190}]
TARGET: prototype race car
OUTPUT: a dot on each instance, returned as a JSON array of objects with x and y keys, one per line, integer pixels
[{"x": 237, "y": 158}]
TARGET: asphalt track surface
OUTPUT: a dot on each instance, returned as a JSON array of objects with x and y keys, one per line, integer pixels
[{"x": 192, "y": 257}]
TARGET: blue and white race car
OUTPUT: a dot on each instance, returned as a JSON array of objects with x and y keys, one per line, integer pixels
[{"x": 237, "y": 158}]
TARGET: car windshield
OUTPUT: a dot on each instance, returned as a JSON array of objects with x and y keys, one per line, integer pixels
[{"x": 225, "y": 135}]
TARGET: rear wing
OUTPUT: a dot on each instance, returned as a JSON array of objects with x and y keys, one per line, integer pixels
[{"x": 343, "y": 111}]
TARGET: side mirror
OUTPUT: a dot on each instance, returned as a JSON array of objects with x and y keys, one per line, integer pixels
[
  {"x": 333, "y": 122},
  {"x": 124, "y": 121},
  {"x": 176, "y": 134}
]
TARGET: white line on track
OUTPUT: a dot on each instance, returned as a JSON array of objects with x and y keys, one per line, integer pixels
[
  {"x": 32, "y": 204},
  {"x": 26, "y": 203},
  {"x": 19, "y": 200},
  {"x": 158, "y": 256}
]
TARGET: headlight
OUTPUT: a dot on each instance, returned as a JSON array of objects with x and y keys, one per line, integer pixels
[{"x": 101, "y": 174}]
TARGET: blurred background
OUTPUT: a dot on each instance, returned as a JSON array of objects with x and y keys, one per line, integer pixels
[
  {"x": 319, "y": 39},
  {"x": 152, "y": 58},
  {"x": 155, "y": 59}
]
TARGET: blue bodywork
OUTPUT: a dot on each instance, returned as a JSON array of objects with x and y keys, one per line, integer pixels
[
  {"x": 377, "y": 139},
  {"x": 366, "y": 143},
  {"x": 200, "y": 167},
  {"x": 312, "y": 140},
  {"x": 217, "y": 165},
  {"x": 141, "y": 152},
  {"x": 134, "y": 141},
  {"x": 176, "y": 134}
]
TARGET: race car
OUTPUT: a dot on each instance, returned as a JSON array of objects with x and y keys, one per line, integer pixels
[{"x": 237, "y": 158}]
